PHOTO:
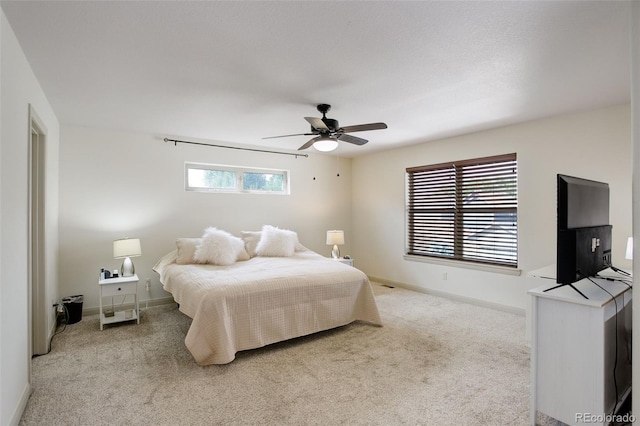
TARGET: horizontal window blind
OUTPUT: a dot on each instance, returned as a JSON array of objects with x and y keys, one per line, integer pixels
[{"x": 465, "y": 210}]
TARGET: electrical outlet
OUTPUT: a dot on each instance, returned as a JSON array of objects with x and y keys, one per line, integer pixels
[{"x": 147, "y": 284}]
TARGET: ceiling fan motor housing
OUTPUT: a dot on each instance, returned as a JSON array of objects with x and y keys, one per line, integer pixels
[{"x": 331, "y": 123}]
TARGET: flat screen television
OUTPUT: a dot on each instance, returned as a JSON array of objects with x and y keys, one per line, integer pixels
[{"x": 583, "y": 229}]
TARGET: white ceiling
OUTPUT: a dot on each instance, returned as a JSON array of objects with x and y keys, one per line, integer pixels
[{"x": 234, "y": 72}]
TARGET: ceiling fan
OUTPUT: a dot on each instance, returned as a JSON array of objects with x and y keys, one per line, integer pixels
[{"x": 327, "y": 132}]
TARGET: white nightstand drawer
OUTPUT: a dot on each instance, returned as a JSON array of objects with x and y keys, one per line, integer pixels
[{"x": 116, "y": 289}]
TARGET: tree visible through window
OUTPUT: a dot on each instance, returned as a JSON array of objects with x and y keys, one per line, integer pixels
[
  {"x": 465, "y": 210},
  {"x": 263, "y": 181},
  {"x": 218, "y": 178},
  {"x": 211, "y": 179}
]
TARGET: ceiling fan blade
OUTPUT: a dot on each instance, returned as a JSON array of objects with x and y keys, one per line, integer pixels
[
  {"x": 317, "y": 123},
  {"x": 286, "y": 136},
  {"x": 352, "y": 139},
  {"x": 363, "y": 127},
  {"x": 309, "y": 143}
]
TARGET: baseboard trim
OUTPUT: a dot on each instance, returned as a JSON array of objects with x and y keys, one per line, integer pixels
[
  {"x": 142, "y": 304},
  {"x": 22, "y": 405},
  {"x": 465, "y": 299}
]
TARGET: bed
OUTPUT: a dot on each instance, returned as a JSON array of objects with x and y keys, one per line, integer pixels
[{"x": 263, "y": 300}]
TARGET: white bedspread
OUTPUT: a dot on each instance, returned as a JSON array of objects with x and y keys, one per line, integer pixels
[{"x": 264, "y": 300}]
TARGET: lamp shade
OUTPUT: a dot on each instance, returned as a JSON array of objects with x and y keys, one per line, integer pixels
[
  {"x": 126, "y": 247},
  {"x": 629, "y": 254},
  {"x": 335, "y": 238}
]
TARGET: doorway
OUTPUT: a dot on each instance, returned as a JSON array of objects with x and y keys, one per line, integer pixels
[{"x": 38, "y": 338}]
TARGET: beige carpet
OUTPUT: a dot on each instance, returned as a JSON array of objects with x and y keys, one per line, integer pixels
[{"x": 435, "y": 362}]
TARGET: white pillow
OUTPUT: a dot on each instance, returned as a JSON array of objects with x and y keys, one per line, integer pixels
[
  {"x": 275, "y": 242},
  {"x": 243, "y": 255},
  {"x": 186, "y": 250},
  {"x": 219, "y": 248},
  {"x": 251, "y": 239}
]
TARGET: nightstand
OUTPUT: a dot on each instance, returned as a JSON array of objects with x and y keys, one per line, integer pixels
[
  {"x": 345, "y": 261},
  {"x": 121, "y": 286}
]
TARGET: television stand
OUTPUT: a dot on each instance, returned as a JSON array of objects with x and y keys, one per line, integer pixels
[
  {"x": 570, "y": 285},
  {"x": 574, "y": 350}
]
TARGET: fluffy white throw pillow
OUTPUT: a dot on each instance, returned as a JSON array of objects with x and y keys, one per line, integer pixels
[
  {"x": 219, "y": 248},
  {"x": 275, "y": 242},
  {"x": 252, "y": 238}
]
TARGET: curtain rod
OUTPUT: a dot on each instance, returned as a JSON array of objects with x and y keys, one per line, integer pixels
[{"x": 176, "y": 142}]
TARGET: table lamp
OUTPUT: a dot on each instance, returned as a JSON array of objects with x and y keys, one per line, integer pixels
[
  {"x": 127, "y": 248},
  {"x": 335, "y": 238}
]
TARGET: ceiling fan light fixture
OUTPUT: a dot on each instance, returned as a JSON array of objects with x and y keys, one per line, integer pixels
[
  {"x": 325, "y": 144},
  {"x": 327, "y": 132}
]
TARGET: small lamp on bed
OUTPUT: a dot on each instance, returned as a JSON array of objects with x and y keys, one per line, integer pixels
[
  {"x": 335, "y": 238},
  {"x": 127, "y": 248}
]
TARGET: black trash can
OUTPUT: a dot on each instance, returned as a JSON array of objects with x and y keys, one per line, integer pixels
[{"x": 74, "y": 307}]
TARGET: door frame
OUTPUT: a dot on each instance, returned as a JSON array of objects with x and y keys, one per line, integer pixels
[{"x": 37, "y": 306}]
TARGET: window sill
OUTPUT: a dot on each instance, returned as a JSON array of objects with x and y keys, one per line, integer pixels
[{"x": 462, "y": 264}]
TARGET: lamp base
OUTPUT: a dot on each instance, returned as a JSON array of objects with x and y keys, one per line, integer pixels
[
  {"x": 335, "y": 252},
  {"x": 127, "y": 269}
]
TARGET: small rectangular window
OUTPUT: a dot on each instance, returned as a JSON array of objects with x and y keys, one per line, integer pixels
[{"x": 235, "y": 179}]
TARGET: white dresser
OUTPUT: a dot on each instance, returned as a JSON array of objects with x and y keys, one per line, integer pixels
[{"x": 574, "y": 348}]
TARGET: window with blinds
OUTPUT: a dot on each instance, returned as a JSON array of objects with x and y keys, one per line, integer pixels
[{"x": 465, "y": 210}]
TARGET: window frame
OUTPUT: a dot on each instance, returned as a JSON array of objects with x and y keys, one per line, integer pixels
[
  {"x": 456, "y": 235},
  {"x": 239, "y": 178}
]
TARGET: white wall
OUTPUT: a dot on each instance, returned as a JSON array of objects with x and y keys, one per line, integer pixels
[
  {"x": 634, "y": 20},
  {"x": 118, "y": 184},
  {"x": 593, "y": 145},
  {"x": 18, "y": 89}
]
